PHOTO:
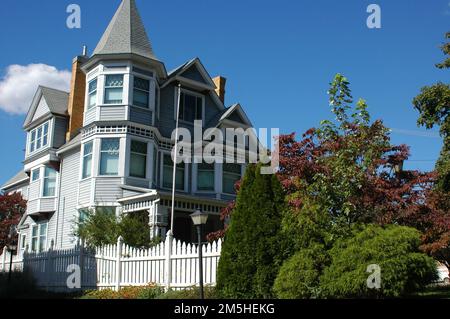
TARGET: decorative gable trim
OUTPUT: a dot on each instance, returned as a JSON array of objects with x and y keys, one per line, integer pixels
[{"x": 34, "y": 105}]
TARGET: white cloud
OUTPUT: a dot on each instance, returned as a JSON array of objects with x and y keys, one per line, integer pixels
[{"x": 20, "y": 83}]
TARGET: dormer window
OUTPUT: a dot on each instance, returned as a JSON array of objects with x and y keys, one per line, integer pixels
[
  {"x": 191, "y": 107},
  {"x": 39, "y": 137},
  {"x": 141, "y": 92},
  {"x": 114, "y": 89},
  {"x": 92, "y": 93}
]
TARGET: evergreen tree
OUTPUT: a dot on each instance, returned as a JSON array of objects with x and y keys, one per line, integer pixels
[{"x": 253, "y": 248}]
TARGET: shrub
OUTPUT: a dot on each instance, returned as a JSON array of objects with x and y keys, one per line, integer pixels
[
  {"x": 190, "y": 293},
  {"x": 299, "y": 276},
  {"x": 251, "y": 253},
  {"x": 150, "y": 291},
  {"x": 395, "y": 249}
]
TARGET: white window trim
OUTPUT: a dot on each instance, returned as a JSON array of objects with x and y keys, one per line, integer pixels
[
  {"x": 82, "y": 160},
  {"x": 90, "y": 107},
  {"x": 42, "y": 177},
  {"x": 120, "y": 160},
  {"x": 49, "y": 139},
  {"x": 126, "y": 77},
  {"x": 38, "y": 225}
]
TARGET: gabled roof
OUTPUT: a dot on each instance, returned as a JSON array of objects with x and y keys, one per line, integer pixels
[
  {"x": 17, "y": 179},
  {"x": 126, "y": 33},
  {"x": 178, "y": 72},
  {"x": 226, "y": 114},
  {"x": 56, "y": 101},
  {"x": 74, "y": 142}
]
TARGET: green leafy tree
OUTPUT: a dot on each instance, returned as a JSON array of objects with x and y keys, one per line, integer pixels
[
  {"x": 253, "y": 248},
  {"x": 395, "y": 249},
  {"x": 102, "y": 227},
  {"x": 433, "y": 104}
]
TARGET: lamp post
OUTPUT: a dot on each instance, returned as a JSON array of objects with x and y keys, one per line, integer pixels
[
  {"x": 198, "y": 219},
  {"x": 11, "y": 248}
]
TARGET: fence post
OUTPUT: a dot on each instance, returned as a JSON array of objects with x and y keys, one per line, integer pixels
[
  {"x": 81, "y": 260},
  {"x": 167, "y": 259},
  {"x": 49, "y": 266},
  {"x": 4, "y": 259},
  {"x": 118, "y": 262}
]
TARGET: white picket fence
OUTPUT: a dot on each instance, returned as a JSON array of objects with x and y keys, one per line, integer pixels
[{"x": 172, "y": 264}]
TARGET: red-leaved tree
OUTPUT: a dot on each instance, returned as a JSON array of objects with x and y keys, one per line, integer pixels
[{"x": 12, "y": 208}]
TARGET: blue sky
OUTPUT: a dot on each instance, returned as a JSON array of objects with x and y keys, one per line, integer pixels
[{"x": 278, "y": 56}]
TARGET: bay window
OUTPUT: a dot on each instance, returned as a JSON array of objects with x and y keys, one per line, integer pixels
[
  {"x": 87, "y": 160},
  {"x": 191, "y": 107},
  {"x": 38, "y": 137},
  {"x": 92, "y": 94},
  {"x": 138, "y": 159},
  {"x": 109, "y": 157},
  {"x": 205, "y": 177},
  {"x": 49, "y": 182},
  {"x": 39, "y": 237},
  {"x": 114, "y": 89},
  {"x": 168, "y": 173},
  {"x": 231, "y": 174},
  {"x": 35, "y": 174},
  {"x": 141, "y": 92}
]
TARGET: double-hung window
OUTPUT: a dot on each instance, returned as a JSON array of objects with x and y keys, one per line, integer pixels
[
  {"x": 168, "y": 173},
  {"x": 191, "y": 107},
  {"x": 92, "y": 94},
  {"x": 114, "y": 89},
  {"x": 205, "y": 177},
  {"x": 87, "y": 160},
  {"x": 39, "y": 237},
  {"x": 109, "y": 157},
  {"x": 35, "y": 174},
  {"x": 141, "y": 92},
  {"x": 39, "y": 137},
  {"x": 138, "y": 159},
  {"x": 231, "y": 174},
  {"x": 49, "y": 182}
]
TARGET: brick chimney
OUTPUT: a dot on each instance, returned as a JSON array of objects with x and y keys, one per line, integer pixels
[
  {"x": 220, "y": 83},
  {"x": 75, "y": 106}
]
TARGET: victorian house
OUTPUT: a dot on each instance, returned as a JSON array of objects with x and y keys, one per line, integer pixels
[{"x": 106, "y": 144}]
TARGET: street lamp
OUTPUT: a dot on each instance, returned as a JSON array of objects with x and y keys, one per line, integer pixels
[
  {"x": 198, "y": 219},
  {"x": 11, "y": 248}
]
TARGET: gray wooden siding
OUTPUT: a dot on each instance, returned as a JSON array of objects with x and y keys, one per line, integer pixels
[
  {"x": 112, "y": 113},
  {"x": 41, "y": 109},
  {"x": 89, "y": 116},
  {"x": 107, "y": 189},
  {"x": 34, "y": 189},
  {"x": 84, "y": 195},
  {"x": 51, "y": 230},
  {"x": 59, "y": 134},
  {"x": 193, "y": 74},
  {"x": 32, "y": 206},
  {"x": 68, "y": 198},
  {"x": 47, "y": 205},
  {"x": 140, "y": 115}
]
